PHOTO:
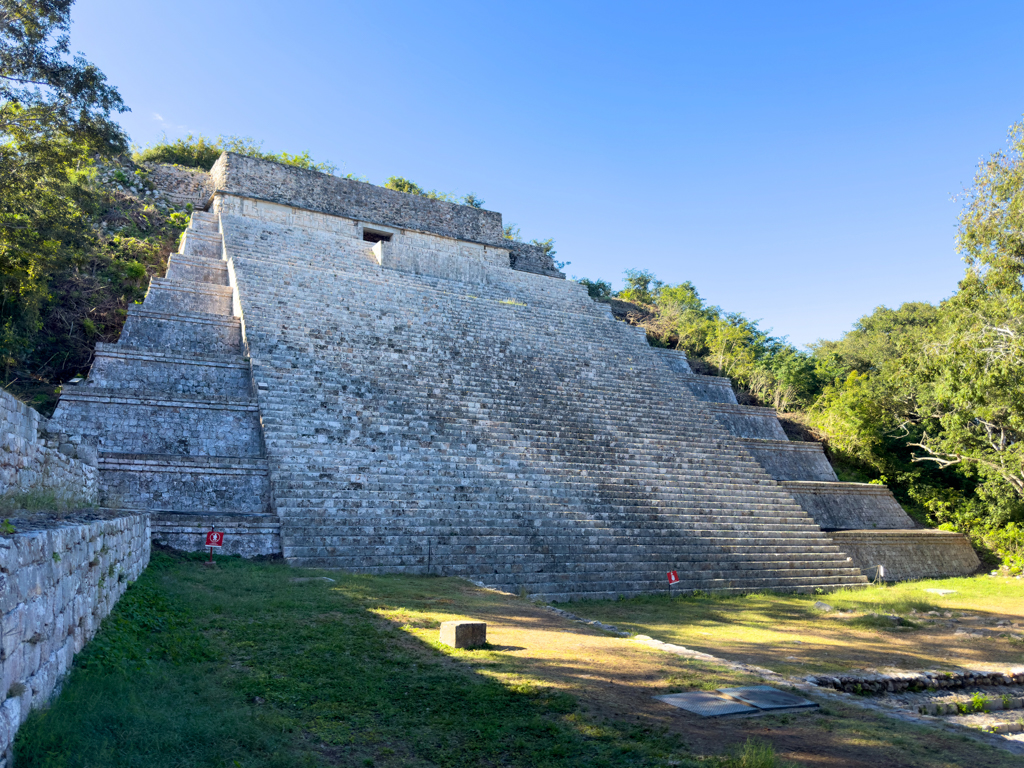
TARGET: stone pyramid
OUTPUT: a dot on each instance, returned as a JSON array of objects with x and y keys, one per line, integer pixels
[{"x": 363, "y": 379}]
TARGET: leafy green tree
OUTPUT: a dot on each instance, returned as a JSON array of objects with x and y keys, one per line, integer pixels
[
  {"x": 42, "y": 92},
  {"x": 642, "y": 287},
  {"x": 599, "y": 290},
  {"x": 402, "y": 184}
]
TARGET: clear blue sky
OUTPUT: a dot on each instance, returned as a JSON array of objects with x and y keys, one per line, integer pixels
[{"x": 796, "y": 161}]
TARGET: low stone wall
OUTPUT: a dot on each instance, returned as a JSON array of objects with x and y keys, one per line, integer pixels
[
  {"x": 853, "y": 682},
  {"x": 245, "y": 535},
  {"x": 916, "y": 554},
  {"x": 849, "y": 506},
  {"x": 56, "y": 586},
  {"x": 28, "y": 463}
]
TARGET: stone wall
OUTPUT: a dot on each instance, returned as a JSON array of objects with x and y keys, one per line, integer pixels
[
  {"x": 56, "y": 586},
  {"x": 180, "y": 186},
  {"x": 116, "y": 422},
  {"x": 312, "y": 191},
  {"x": 790, "y": 460},
  {"x": 849, "y": 505},
  {"x": 748, "y": 420},
  {"x": 915, "y": 554},
  {"x": 28, "y": 463},
  {"x": 526, "y": 257},
  {"x": 674, "y": 359},
  {"x": 711, "y": 389}
]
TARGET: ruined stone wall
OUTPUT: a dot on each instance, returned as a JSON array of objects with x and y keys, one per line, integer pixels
[
  {"x": 914, "y": 554},
  {"x": 28, "y": 463},
  {"x": 314, "y": 191},
  {"x": 56, "y": 586},
  {"x": 180, "y": 186},
  {"x": 311, "y": 191}
]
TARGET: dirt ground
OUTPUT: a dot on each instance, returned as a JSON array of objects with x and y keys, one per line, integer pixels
[{"x": 617, "y": 677}]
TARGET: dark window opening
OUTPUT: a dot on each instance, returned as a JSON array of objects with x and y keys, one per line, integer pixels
[{"x": 376, "y": 237}]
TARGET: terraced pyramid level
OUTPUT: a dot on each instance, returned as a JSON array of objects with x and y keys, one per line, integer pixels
[{"x": 367, "y": 380}]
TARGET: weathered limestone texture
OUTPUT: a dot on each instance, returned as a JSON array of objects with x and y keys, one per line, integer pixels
[
  {"x": 180, "y": 186},
  {"x": 260, "y": 180},
  {"x": 747, "y": 420},
  {"x": 675, "y": 360},
  {"x": 28, "y": 463},
  {"x": 789, "y": 460},
  {"x": 836, "y": 505},
  {"x": 363, "y": 379},
  {"x": 56, "y": 586},
  {"x": 916, "y": 554},
  {"x": 428, "y": 409},
  {"x": 170, "y": 413},
  {"x": 869, "y": 518}
]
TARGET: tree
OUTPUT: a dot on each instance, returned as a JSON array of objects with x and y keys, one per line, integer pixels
[
  {"x": 54, "y": 114},
  {"x": 401, "y": 184},
  {"x": 642, "y": 287},
  {"x": 598, "y": 290},
  {"x": 198, "y": 151},
  {"x": 971, "y": 376},
  {"x": 41, "y": 91}
]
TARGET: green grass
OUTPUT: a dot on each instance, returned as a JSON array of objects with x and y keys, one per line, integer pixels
[{"x": 239, "y": 666}]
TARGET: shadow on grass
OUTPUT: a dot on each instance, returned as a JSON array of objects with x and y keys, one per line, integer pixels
[{"x": 238, "y": 666}]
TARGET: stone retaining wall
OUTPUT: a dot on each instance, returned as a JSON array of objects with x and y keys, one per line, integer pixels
[
  {"x": 914, "y": 554},
  {"x": 180, "y": 186},
  {"x": 56, "y": 586},
  {"x": 790, "y": 460},
  {"x": 849, "y": 506},
  {"x": 27, "y": 463},
  {"x": 853, "y": 682}
]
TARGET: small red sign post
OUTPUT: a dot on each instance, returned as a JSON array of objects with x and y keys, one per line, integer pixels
[
  {"x": 214, "y": 539},
  {"x": 673, "y": 578}
]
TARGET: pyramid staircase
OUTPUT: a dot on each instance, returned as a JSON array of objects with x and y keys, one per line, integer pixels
[
  {"x": 171, "y": 412},
  {"x": 509, "y": 430}
]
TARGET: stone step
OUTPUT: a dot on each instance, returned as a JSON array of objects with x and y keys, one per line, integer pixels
[
  {"x": 147, "y": 372},
  {"x": 184, "y": 268},
  {"x": 118, "y": 422},
  {"x": 199, "y": 333},
  {"x": 212, "y": 485},
  {"x": 180, "y": 297},
  {"x": 202, "y": 243}
]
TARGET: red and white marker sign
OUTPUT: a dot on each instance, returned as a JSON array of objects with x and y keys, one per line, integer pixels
[
  {"x": 673, "y": 578},
  {"x": 215, "y": 539}
]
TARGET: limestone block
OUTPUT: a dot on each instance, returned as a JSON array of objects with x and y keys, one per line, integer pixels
[{"x": 464, "y": 634}]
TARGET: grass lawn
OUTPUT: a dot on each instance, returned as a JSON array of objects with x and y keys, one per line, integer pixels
[
  {"x": 256, "y": 664},
  {"x": 787, "y": 634}
]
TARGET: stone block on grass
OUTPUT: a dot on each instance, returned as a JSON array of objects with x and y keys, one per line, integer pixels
[{"x": 464, "y": 634}]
